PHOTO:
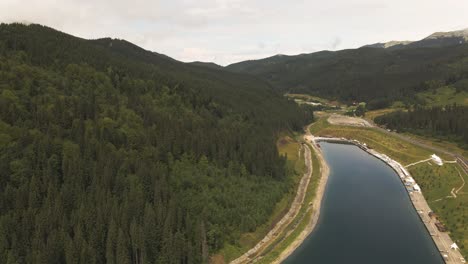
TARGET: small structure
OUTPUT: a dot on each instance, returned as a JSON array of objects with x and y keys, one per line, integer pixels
[
  {"x": 432, "y": 215},
  {"x": 437, "y": 160},
  {"x": 441, "y": 227},
  {"x": 416, "y": 188},
  {"x": 454, "y": 246}
]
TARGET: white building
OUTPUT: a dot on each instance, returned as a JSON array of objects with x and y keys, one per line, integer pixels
[
  {"x": 416, "y": 188},
  {"x": 437, "y": 160}
]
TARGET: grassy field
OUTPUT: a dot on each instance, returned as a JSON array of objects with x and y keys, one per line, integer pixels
[
  {"x": 399, "y": 150},
  {"x": 290, "y": 147},
  {"x": 371, "y": 115},
  {"x": 437, "y": 183},
  {"x": 444, "y": 96},
  {"x": 450, "y": 146},
  {"x": 311, "y": 98}
]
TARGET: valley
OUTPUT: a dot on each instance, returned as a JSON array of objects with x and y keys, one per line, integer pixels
[{"x": 112, "y": 153}]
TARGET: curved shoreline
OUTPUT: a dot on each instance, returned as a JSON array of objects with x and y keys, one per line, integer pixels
[
  {"x": 440, "y": 239},
  {"x": 252, "y": 254},
  {"x": 315, "y": 208}
]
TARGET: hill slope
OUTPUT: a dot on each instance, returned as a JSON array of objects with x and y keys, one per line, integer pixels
[
  {"x": 366, "y": 74},
  {"x": 113, "y": 154}
]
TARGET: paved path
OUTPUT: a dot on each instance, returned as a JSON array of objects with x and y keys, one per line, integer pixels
[
  {"x": 417, "y": 162},
  {"x": 441, "y": 239},
  {"x": 459, "y": 158},
  {"x": 463, "y": 180}
]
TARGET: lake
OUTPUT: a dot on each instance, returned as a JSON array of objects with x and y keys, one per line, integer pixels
[{"x": 366, "y": 215}]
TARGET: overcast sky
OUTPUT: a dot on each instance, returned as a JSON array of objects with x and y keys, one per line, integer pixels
[{"x": 227, "y": 31}]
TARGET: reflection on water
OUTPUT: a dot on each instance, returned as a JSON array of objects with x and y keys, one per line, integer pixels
[{"x": 366, "y": 217}]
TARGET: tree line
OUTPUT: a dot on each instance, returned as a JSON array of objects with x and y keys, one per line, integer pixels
[{"x": 449, "y": 122}]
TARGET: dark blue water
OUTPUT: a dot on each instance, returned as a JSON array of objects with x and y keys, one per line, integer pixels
[{"x": 366, "y": 216}]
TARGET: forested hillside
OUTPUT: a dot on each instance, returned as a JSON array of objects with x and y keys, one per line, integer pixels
[
  {"x": 376, "y": 76},
  {"x": 449, "y": 122},
  {"x": 113, "y": 154}
]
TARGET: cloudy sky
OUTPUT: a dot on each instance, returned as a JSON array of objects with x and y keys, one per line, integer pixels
[{"x": 226, "y": 31}]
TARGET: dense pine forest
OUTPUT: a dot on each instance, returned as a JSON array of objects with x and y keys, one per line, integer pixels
[
  {"x": 378, "y": 77},
  {"x": 113, "y": 154},
  {"x": 449, "y": 122}
]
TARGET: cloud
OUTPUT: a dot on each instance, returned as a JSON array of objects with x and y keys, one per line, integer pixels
[{"x": 231, "y": 30}]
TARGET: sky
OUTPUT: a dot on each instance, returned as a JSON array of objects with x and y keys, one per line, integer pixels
[{"x": 228, "y": 31}]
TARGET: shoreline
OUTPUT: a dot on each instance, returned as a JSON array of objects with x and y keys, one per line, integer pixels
[
  {"x": 316, "y": 205},
  {"x": 441, "y": 240},
  {"x": 252, "y": 254}
]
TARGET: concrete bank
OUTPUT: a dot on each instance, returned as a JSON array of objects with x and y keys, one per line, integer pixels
[{"x": 441, "y": 239}]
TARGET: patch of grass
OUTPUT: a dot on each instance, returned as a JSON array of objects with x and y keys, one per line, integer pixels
[
  {"x": 450, "y": 146},
  {"x": 398, "y": 104},
  {"x": 307, "y": 97},
  {"x": 444, "y": 96},
  {"x": 311, "y": 98},
  {"x": 319, "y": 125},
  {"x": 392, "y": 146},
  {"x": 288, "y": 146},
  {"x": 436, "y": 183},
  {"x": 371, "y": 115}
]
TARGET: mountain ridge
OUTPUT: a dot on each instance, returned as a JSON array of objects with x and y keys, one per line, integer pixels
[
  {"x": 436, "y": 39},
  {"x": 376, "y": 75}
]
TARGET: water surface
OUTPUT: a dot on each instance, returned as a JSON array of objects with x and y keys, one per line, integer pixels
[{"x": 366, "y": 216}]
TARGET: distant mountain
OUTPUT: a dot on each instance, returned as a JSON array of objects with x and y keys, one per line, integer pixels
[
  {"x": 442, "y": 39},
  {"x": 438, "y": 39},
  {"x": 389, "y": 44},
  {"x": 210, "y": 65},
  {"x": 450, "y": 34},
  {"x": 372, "y": 73}
]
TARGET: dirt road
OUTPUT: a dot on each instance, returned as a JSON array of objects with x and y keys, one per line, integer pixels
[
  {"x": 336, "y": 119},
  {"x": 251, "y": 255},
  {"x": 313, "y": 209}
]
